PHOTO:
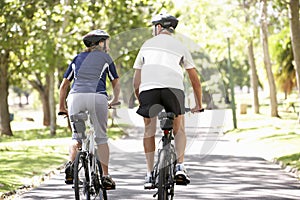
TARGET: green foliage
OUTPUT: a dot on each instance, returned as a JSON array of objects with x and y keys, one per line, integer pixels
[
  {"x": 213, "y": 21},
  {"x": 282, "y": 53},
  {"x": 43, "y": 36}
]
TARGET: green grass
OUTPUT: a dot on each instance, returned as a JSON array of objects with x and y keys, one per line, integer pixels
[
  {"x": 29, "y": 154},
  {"x": 292, "y": 160},
  {"x": 272, "y": 138},
  {"x": 35, "y": 134}
]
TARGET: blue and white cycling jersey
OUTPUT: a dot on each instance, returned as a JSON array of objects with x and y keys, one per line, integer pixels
[{"x": 89, "y": 71}]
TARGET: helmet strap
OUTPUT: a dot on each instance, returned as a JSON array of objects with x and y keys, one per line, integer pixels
[
  {"x": 104, "y": 46},
  {"x": 155, "y": 30}
]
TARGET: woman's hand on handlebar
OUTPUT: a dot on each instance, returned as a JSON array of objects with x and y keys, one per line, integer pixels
[{"x": 113, "y": 103}]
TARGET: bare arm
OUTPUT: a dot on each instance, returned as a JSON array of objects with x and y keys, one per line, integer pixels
[
  {"x": 137, "y": 82},
  {"x": 116, "y": 91},
  {"x": 63, "y": 89},
  {"x": 196, "y": 84}
]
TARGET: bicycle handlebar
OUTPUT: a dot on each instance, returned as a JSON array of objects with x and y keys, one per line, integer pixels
[
  {"x": 189, "y": 110},
  {"x": 62, "y": 113},
  {"x": 111, "y": 106}
]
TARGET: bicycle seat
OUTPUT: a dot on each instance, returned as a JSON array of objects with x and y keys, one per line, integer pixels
[
  {"x": 166, "y": 120},
  {"x": 79, "y": 116},
  {"x": 168, "y": 115}
]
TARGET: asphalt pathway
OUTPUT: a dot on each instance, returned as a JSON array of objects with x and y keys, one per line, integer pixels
[{"x": 219, "y": 168}]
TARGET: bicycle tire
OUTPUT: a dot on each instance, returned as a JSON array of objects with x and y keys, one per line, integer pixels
[
  {"x": 81, "y": 177},
  {"x": 163, "y": 176},
  {"x": 172, "y": 168},
  {"x": 102, "y": 192}
]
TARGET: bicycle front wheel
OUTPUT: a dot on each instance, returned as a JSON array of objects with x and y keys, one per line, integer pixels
[
  {"x": 81, "y": 177},
  {"x": 163, "y": 176}
]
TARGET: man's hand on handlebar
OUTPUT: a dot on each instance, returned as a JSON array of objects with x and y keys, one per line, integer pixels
[
  {"x": 63, "y": 112},
  {"x": 197, "y": 109},
  {"x": 194, "y": 110}
]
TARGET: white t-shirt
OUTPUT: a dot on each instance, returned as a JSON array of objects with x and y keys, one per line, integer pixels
[{"x": 161, "y": 60}]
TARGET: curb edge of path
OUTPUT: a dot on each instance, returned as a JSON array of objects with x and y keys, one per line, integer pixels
[{"x": 24, "y": 188}]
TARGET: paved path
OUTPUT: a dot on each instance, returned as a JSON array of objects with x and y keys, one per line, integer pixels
[{"x": 219, "y": 168}]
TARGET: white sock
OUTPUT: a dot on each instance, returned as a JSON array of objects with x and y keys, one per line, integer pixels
[
  {"x": 149, "y": 174},
  {"x": 180, "y": 164}
]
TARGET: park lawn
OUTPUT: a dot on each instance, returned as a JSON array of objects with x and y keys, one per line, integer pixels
[
  {"x": 30, "y": 154},
  {"x": 273, "y": 138}
]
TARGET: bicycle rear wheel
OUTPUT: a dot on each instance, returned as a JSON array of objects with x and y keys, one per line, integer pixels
[
  {"x": 163, "y": 176},
  {"x": 101, "y": 191},
  {"x": 81, "y": 177}
]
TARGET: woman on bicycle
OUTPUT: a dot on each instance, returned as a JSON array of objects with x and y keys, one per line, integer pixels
[
  {"x": 88, "y": 71},
  {"x": 158, "y": 84}
]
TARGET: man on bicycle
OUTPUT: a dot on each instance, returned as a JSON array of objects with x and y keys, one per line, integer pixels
[
  {"x": 89, "y": 70},
  {"x": 158, "y": 84}
]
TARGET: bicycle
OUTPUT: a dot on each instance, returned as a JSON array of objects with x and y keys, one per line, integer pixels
[
  {"x": 87, "y": 170},
  {"x": 165, "y": 167}
]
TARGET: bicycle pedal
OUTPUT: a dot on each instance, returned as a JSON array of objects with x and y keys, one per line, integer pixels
[
  {"x": 110, "y": 187},
  {"x": 181, "y": 182},
  {"x": 69, "y": 181},
  {"x": 149, "y": 187}
]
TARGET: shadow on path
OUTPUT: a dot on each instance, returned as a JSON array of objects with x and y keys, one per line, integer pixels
[{"x": 220, "y": 171}]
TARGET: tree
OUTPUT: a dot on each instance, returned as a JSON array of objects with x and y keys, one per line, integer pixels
[
  {"x": 246, "y": 5},
  {"x": 295, "y": 30},
  {"x": 13, "y": 21},
  {"x": 39, "y": 38},
  {"x": 4, "y": 82},
  {"x": 283, "y": 61},
  {"x": 254, "y": 76},
  {"x": 267, "y": 60}
]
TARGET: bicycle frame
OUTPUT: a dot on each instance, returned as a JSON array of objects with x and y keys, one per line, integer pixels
[
  {"x": 87, "y": 150},
  {"x": 164, "y": 169},
  {"x": 88, "y": 145}
]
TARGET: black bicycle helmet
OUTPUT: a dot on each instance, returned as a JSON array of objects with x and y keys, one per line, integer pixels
[
  {"x": 165, "y": 20},
  {"x": 94, "y": 37}
]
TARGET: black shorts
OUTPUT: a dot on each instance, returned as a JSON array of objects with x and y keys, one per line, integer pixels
[{"x": 153, "y": 101}]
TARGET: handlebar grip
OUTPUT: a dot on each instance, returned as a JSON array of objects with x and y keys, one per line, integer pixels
[
  {"x": 116, "y": 104},
  {"x": 62, "y": 113},
  {"x": 189, "y": 110},
  {"x": 111, "y": 106}
]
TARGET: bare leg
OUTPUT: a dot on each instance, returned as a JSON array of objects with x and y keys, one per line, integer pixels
[
  {"x": 103, "y": 153},
  {"x": 180, "y": 137},
  {"x": 73, "y": 148},
  {"x": 149, "y": 141}
]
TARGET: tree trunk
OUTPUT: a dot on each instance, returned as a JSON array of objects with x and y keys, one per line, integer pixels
[
  {"x": 5, "y": 128},
  {"x": 52, "y": 104},
  {"x": 267, "y": 60},
  {"x": 254, "y": 77},
  {"x": 295, "y": 30},
  {"x": 44, "y": 96},
  {"x": 46, "y": 109}
]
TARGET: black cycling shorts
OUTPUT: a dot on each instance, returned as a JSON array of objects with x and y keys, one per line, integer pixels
[{"x": 153, "y": 101}]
